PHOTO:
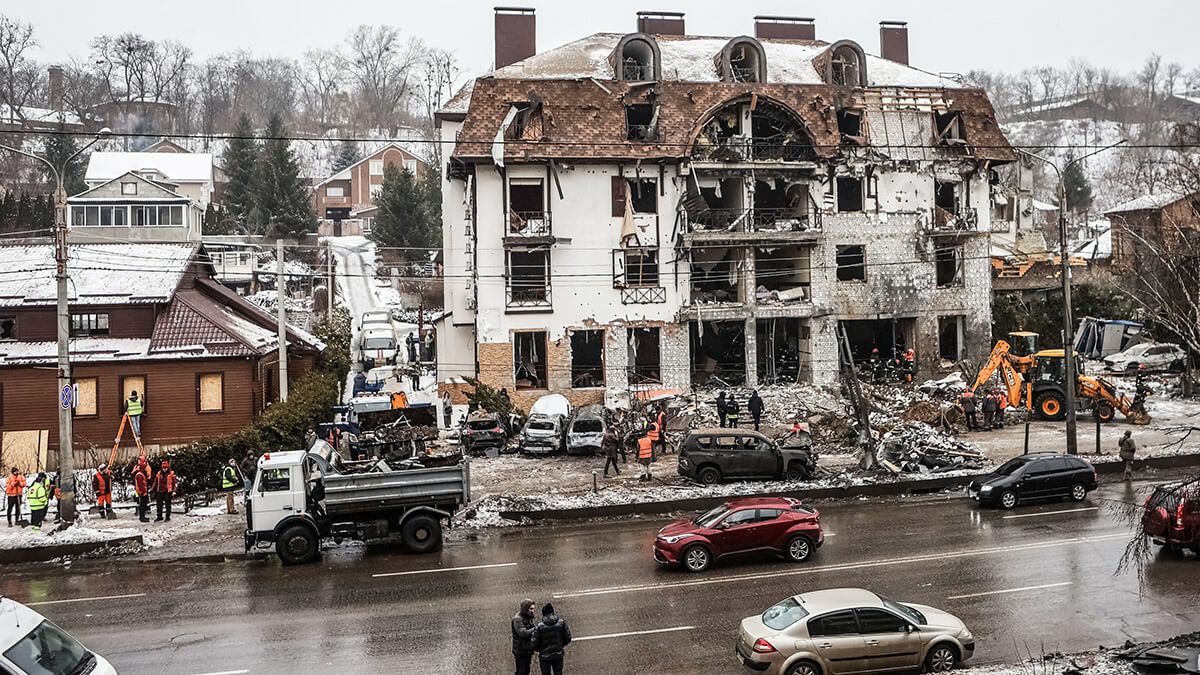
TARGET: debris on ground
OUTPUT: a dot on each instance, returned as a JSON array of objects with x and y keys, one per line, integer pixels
[
  {"x": 1154, "y": 657},
  {"x": 916, "y": 446}
]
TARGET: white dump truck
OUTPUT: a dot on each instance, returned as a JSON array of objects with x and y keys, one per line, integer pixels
[{"x": 299, "y": 498}]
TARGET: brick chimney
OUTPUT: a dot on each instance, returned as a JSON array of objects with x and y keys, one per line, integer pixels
[
  {"x": 516, "y": 35},
  {"x": 660, "y": 23},
  {"x": 56, "y": 88},
  {"x": 893, "y": 41},
  {"x": 785, "y": 28}
]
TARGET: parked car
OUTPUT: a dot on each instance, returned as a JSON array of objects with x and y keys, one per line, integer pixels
[
  {"x": 481, "y": 431},
  {"x": 713, "y": 455},
  {"x": 375, "y": 318},
  {"x": 31, "y": 644},
  {"x": 1171, "y": 517},
  {"x": 851, "y": 630},
  {"x": 1155, "y": 356},
  {"x": 1040, "y": 475},
  {"x": 377, "y": 347},
  {"x": 586, "y": 430},
  {"x": 545, "y": 431},
  {"x": 739, "y": 526}
]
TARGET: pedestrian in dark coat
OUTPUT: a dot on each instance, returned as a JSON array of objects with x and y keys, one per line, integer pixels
[
  {"x": 550, "y": 636},
  {"x": 609, "y": 445},
  {"x": 967, "y": 403},
  {"x": 522, "y": 635},
  {"x": 1127, "y": 450},
  {"x": 721, "y": 408},
  {"x": 756, "y": 407},
  {"x": 249, "y": 467},
  {"x": 989, "y": 412},
  {"x": 732, "y": 412}
]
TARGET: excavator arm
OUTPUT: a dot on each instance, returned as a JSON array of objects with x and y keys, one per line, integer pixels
[
  {"x": 996, "y": 360},
  {"x": 1099, "y": 389},
  {"x": 1014, "y": 382}
]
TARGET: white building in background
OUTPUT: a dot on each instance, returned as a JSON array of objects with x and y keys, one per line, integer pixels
[
  {"x": 630, "y": 213},
  {"x": 190, "y": 173}
]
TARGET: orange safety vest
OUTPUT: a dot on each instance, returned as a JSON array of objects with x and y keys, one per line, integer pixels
[
  {"x": 653, "y": 433},
  {"x": 645, "y": 451},
  {"x": 14, "y": 485}
]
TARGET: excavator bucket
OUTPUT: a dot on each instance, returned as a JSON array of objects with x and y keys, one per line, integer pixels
[{"x": 1137, "y": 414}]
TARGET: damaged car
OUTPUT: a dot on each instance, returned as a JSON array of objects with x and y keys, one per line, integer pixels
[
  {"x": 481, "y": 431},
  {"x": 710, "y": 456},
  {"x": 545, "y": 432},
  {"x": 586, "y": 431}
]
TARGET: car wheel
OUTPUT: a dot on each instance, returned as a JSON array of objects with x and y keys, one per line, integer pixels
[
  {"x": 799, "y": 549},
  {"x": 697, "y": 559},
  {"x": 941, "y": 659},
  {"x": 1008, "y": 499},
  {"x": 421, "y": 534},
  {"x": 1078, "y": 492},
  {"x": 1050, "y": 406},
  {"x": 297, "y": 545},
  {"x": 803, "y": 668},
  {"x": 1104, "y": 412},
  {"x": 709, "y": 475},
  {"x": 797, "y": 471}
]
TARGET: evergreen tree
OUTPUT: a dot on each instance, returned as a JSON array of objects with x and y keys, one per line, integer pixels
[
  {"x": 347, "y": 156},
  {"x": 403, "y": 219},
  {"x": 216, "y": 220},
  {"x": 431, "y": 190},
  {"x": 60, "y": 146},
  {"x": 239, "y": 160},
  {"x": 8, "y": 212},
  {"x": 24, "y": 213},
  {"x": 44, "y": 210},
  {"x": 279, "y": 192},
  {"x": 1078, "y": 190}
]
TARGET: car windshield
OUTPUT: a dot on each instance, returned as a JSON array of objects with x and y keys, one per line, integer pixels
[
  {"x": 1168, "y": 497},
  {"x": 48, "y": 650},
  {"x": 707, "y": 519},
  {"x": 482, "y": 425},
  {"x": 542, "y": 425},
  {"x": 1010, "y": 467},
  {"x": 379, "y": 343},
  {"x": 588, "y": 426},
  {"x": 783, "y": 614},
  {"x": 904, "y": 610}
]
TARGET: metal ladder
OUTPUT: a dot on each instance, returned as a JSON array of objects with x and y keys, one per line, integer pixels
[{"x": 117, "y": 443}]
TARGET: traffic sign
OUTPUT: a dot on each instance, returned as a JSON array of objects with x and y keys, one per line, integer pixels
[{"x": 65, "y": 396}]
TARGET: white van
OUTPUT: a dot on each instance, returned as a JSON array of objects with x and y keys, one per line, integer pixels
[
  {"x": 377, "y": 347},
  {"x": 30, "y": 644}
]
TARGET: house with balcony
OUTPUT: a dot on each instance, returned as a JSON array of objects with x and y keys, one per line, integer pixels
[
  {"x": 349, "y": 194},
  {"x": 133, "y": 208},
  {"x": 191, "y": 174},
  {"x": 722, "y": 211}
]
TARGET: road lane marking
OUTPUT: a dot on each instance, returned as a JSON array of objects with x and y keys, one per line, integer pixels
[
  {"x": 636, "y": 632},
  {"x": 444, "y": 569},
  {"x": 227, "y": 672},
  {"x": 103, "y": 597},
  {"x": 933, "y": 557},
  {"x": 1009, "y": 590},
  {"x": 1051, "y": 513}
]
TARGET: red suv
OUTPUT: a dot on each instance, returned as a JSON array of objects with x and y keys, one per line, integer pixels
[
  {"x": 1171, "y": 517},
  {"x": 775, "y": 524}
]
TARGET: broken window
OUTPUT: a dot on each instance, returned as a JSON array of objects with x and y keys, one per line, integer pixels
[
  {"x": 849, "y": 194},
  {"x": 528, "y": 273},
  {"x": 587, "y": 358},
  {"x": 892, "y": 337},
  {"x": 715, "y": 275},
  {"x": 718, "y": 352},
  {"x": 643, "y": 195},
  {"x": 8, "y": 327},
  {"x": 950, "y": 337},
  {"x": 637, "y": 61},
  {"x": 784, "y": 351},
  {"x": 640, "y": 120},
  {"x": 719, "y": 206},
  {"x": 949, "y": 128},
  {"x": 777, "y": 134},
  {"x": 744, "y": 63},
  {"x": 780, "y": 206},
  {"x": 849, "y": 122},
  {"x": 948, "y": 264},
  {"x": 783, "y": 274},
  {"x": 641, "y": 267},
  {"x": 851, "y": 263},
  {"x": 846, "y": 67},
  {"x": 516, "y": 127},
  {"x": 529, "y": 359},
  {"x": 945, "y": 195},
  {"x": 644, "y": 356},
  {"x": 527, "y": 215}
]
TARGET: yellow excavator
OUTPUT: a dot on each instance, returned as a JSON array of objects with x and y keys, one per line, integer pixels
[{"x": 1035, "y": 380}]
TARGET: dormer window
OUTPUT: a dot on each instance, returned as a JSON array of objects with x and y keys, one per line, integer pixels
[
  {"x": 743, "y": 60},
  {"x": 846, "y": 66},
  {"x": 520, "y": 117},
  {"x": 641, "y": 120},
  {"x": 636, "y": 59}
]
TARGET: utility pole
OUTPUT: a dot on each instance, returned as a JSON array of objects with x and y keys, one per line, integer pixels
[
  {"x": 1071, "y": 386},
  {"x": 281, "y": 314},
  {"x": 328, "y": 278},
  {"x": 65, "y": 390}
]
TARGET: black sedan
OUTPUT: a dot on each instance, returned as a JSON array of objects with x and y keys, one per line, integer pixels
[{"x": 1034, "y": 476}]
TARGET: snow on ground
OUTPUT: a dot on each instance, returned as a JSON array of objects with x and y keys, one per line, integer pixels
[{"x": 91, "y": 528}]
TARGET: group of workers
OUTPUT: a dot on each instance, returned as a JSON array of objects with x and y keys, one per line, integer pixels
[
  {"x": 902, "y": 367},
  {"x": 42, "y": 489},
  {"x": 651, "y": 438},
  {"x": 729, "y": 412},
  {"x": 991, "y": 404}
]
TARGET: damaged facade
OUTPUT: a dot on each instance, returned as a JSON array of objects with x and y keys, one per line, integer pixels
[{"x": 656, "y": 211}]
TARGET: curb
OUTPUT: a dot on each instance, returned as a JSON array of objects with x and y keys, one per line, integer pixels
[
  {"x": 43, "y": 553},
  {"x": 893, "y": 488}
]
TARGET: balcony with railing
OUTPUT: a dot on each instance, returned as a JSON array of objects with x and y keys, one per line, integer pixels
[
  {"x": 757, "y": 219},
  {"x": 637, "y": 72},
  {"x": 743, "y": 149},
  {"x": 524, "y": 293},
  {"x": 963, "y": 220},
  {"x": 530, "y": 224}
]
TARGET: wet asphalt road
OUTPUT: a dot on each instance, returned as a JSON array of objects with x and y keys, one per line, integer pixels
[{"x": 338, "y": 615}]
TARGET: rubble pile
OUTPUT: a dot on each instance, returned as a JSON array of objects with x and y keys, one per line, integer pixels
[
  {"x": 1154, "y": 657},
  {"x": 397, "y": 434},
  {"x": 918, "y": 447}
]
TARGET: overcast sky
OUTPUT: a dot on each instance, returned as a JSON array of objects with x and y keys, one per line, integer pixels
[{"x": 950, "y": 36}]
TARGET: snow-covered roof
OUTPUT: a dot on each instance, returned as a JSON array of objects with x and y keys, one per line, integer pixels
[
  {"x": 1148, "y": 202},
  {"x": 190, "y": 167},
  {"x": 100, "y": 274},
  {"x": 164, "y": 191},
  {"x": 15, "y": 114},
  {"x": 344, "y": 174},
  {"x": 1044, "y": 206},
  {"x": 93, "y": 350},
  {"x": 1095, "y": 249}
]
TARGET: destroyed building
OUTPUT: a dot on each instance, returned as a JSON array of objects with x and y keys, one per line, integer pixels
[{"x": 656, "y": 210}]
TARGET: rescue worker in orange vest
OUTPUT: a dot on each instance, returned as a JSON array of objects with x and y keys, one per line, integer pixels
[
  {"x": 645, "y": 455},
  {"x": 141, "y": 489},
  {"x": 655, "y": 440},
  {"x": 14, "y": 487},
  {"x": 661, "y": 420},
  {"x": 102, "y": 486},
  {"x": 909, "y": 367},
  {"x": 164, "y": 490}
]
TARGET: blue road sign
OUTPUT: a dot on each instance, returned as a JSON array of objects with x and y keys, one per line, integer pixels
[{"x": 64, "y": 396}]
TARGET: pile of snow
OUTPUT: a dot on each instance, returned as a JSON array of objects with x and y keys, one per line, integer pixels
[{"x": 85, "y": 533}]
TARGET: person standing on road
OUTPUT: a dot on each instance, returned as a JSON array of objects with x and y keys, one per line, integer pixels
[
  {"x": 732, "y": 412},
  {"x": 411, "y": 342},
  {"x": 609, "y": 447},
  {"x": 231, "y": 479},
  {"x": 655, "y": 436},
  {"x": 645, "y": 455},
  {"x": 1001, "y": 404},
  {"x": 135, "y": 407},
  {"x": 141, "y": 489},
  {"x": 248, "y": 466},
  {"x": 447, "y": 409},
  {"x": 427, "y": 344},
  {"x": 102, "y": 487},
  {"x": 164, "y": 490},
  {"x": 721, "y": 408},
  {"x": 14, "y": 487},
  {"x": 1127, "y": 449},
  {"x": 550, "y": 636},
  {"x": 38, "y": 498},
  {"x": 661, "y": 420},
  {"x": 523, "y": 623},
  {"x": 989, "y": 411},
  {"x": 966, "y": 402},
  {"x": 756, "y": 407}
]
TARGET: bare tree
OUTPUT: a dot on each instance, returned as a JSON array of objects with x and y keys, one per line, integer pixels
[
  {"x": 1147, "y": 77},
  {"x": 441, "y": 74},
  {"x": 321, "y": 83},
  {"x": 384, "y": 69},
  {"x": 18, "y": 74}
]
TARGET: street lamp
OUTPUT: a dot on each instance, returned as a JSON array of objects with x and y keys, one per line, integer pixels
[
  {"x": 1065, "y": 262},
  {"x": 66, "y": 457}
]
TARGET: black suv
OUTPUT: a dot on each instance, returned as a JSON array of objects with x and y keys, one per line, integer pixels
[
  {"x": 481, "y": 431},
  {"x": 1039, "y": 475},
  {"x": 713, "y": 455}
]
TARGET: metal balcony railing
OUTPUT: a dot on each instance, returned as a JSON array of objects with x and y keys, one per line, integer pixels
[
  {"x": 959, "y": 220},
  {"x": 528, "y": 224},
  {"x": 760, "y": 219},
  {"x": 740, "y": 149},
  {"x": 743, "y": 74},
  {"x": 519, "y": 293},
  {"x": 639, "y": 132},
  {"x": 636, "y": 71}
]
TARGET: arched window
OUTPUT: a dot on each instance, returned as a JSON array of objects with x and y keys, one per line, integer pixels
[
  {"x": 848, "y": 65},
  {"x": 743, "y": 60},
  {"x": 636, "y": 58},
  {"x": 769, "y": 132}
]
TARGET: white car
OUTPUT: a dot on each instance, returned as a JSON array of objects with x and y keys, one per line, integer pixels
[
  {"x": 377, "y": 347},
  {"x": 1154, "y": 356},
  {"x": 375, "y": 318},
  {"x": 30, "y": 644}
]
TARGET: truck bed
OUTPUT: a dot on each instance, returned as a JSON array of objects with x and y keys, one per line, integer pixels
[{"x": 447, "y": 487}]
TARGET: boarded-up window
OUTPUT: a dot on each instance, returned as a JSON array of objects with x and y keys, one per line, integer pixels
[
  {"x": 211, "y": 392},
  {"x": 132, "y": 383},
  {"x": 85, "y": 397},
  {"x": 25, "y": 450}
]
